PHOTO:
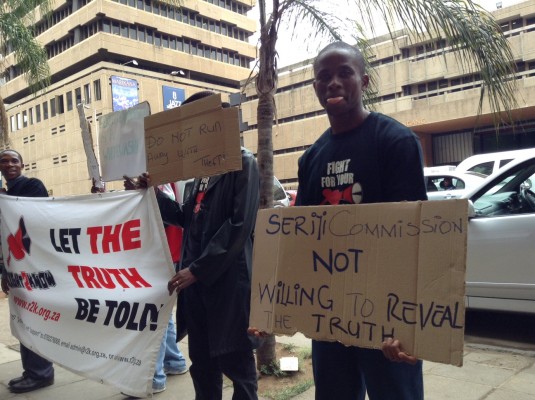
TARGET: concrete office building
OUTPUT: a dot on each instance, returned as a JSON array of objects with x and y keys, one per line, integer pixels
[
  {"x": 142, "y": 50},
  {"x": 422, "y": 85}
]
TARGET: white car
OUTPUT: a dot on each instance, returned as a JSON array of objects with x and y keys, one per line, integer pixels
[
  {"x": 500, "y": 272},
  {"x": 450, "y": 184},
  {"x": 488, "y": 163}
]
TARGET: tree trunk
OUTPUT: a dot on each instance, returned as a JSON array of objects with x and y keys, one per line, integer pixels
[
  {"x": 266, "y": 86},
  {"x": 4, "y": 126}
]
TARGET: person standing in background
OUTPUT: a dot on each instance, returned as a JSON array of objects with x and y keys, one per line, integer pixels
[
  {"x": 214, "y": 277},
  {"x": 38, "y": 371}
]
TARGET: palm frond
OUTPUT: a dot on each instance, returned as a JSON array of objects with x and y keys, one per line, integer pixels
[
  {"x": 17, "y": 18},
  {"x": 473, "y": 36}
]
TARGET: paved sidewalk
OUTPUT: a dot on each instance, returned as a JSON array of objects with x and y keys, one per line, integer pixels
[{"x": 488, "y": 373}]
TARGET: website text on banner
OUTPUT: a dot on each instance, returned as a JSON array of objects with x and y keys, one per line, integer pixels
[
  {"x": 88, "y": 277},
  {"x": 360, "y": 274}
]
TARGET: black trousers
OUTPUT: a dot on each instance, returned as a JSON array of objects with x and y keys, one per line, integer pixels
[
  {"x": 35, "y": 366},
  {"x": 207, "y": 371},
  {"x": 207, "y": 374}
]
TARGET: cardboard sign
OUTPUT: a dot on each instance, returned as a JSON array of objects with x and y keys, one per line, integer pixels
[
  {"x": 121, "y": 143},
  {"x": 360, "y": 274},
  {"x": 194, "y": 140}
]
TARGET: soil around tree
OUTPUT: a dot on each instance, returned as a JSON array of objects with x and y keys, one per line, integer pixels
[{"x": 270, "y": 386}]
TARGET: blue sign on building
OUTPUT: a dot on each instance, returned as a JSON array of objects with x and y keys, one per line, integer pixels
[
  {"x": 124, "y": 93},
  {"x": 172, "y": 97}
]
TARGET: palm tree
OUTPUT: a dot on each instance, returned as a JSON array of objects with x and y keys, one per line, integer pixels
[
  {"x": 472, "y": 32},
  {"x": 17, "y": 36}
]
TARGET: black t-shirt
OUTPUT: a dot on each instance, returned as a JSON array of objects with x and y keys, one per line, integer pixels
[
  {"x": 26, "y": 187},
  {"x": 379, "y": 161}
]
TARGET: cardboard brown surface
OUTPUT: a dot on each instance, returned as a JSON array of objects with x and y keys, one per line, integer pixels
[
  {"x": 357, "y": 274},
  {"x": 194, "y": 140}
]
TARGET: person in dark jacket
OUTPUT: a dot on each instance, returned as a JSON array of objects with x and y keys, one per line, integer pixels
[
  {"x": 38, "y": 371},
  {"x": 214, "y": 275}
]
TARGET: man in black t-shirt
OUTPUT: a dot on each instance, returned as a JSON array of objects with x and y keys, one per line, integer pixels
[
  {"x": 364, "y": 157},
  {"x": 38, "y": 371}
]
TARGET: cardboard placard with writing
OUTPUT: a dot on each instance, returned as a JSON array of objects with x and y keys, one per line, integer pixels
[
  {"x": 359, "y": 274},
  {"x": 194, "y": 140}
]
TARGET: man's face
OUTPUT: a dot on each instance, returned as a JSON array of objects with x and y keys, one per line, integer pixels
[
  {"x": 10, "y": 165},
  {"x": 339, "y": 82}
]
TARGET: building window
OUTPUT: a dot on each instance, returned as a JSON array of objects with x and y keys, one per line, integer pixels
[
  {"x": 61, "y": 107},
  {"x": 69, "y": 100},
  {"x": 38, "y": 113},
  {"x": 30, "y": 115},
  {"x": 530, "y": 23},
  {"x": 96, "y": 90},
  {"x": 24, "y": 119},
  {"x": 78, "y": 95},
  {"x": 45, "y": 110},
  {"x": 13, "y": 123},
  {"x": 87, "y": 94},
  {"x": 53, "y": 107}
]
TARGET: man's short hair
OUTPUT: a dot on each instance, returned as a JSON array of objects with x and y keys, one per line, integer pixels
[
  {"x": 201, "y": 95},
  {"x": 12, "y": 151},
  {"x": 343, "y": 46}
]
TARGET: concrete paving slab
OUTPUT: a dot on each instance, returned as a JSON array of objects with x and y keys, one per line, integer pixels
[
  {"x": 499, "y": 358},
  {"x": 438, "y": 387},
  {"x": 522, "y": 382},
  {"x": 476, "y": 373},
  {"x": 500, "y": 394},
  {"x": 7, "y": 354}
]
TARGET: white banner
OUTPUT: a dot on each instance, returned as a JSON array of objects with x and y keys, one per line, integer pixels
[{"x": 88, "y": 277}]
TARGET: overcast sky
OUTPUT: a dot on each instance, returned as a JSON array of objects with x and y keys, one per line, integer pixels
[{"x": 292, "y": 51}]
